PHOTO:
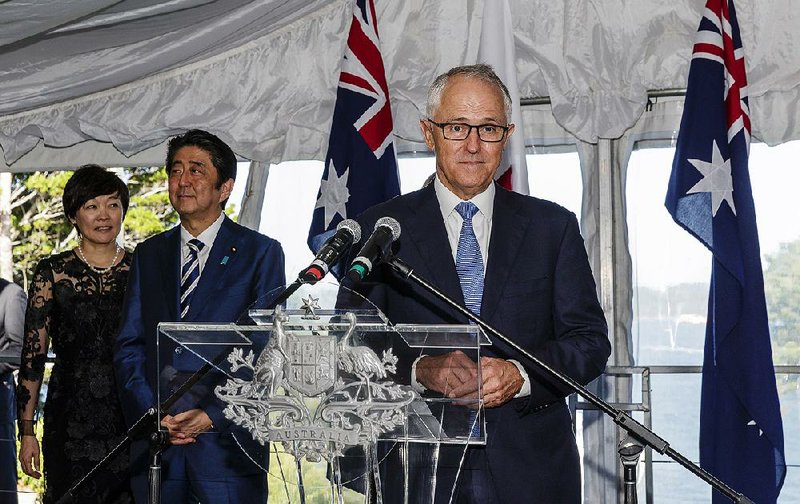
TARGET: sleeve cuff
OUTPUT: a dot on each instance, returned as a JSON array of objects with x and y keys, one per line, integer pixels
[
  {"x": 25, "y": 428},
  {"x": 417, "y": 386},
  {"x": 525, "y": 391}
]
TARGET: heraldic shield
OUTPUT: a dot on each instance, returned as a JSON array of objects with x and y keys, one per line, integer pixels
[
  {"x": 312, "y": 363},
  {"x": 318, "y": 398}
]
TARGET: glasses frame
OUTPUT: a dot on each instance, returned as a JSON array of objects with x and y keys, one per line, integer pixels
[{"x": 469, "y": 130}]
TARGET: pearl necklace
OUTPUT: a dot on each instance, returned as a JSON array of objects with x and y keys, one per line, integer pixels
[{"x": 95, "y": 269}]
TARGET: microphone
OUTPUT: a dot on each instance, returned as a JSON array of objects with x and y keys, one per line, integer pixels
[
  {"x": 387, "y": 230},
  {"x": 347, "y": 233}
]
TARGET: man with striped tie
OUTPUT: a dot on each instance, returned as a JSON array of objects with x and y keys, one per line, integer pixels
[
  {"x": 207, "y": 269},
  {"x": 517, "y": 261}
]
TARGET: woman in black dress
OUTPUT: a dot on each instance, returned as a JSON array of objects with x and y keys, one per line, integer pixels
[{"x": 74, "y": 303}]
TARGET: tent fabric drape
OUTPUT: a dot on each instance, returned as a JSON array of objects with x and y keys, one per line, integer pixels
[
  {"x": 258, "y": 74},
  {"x": 262, "y": 74}
]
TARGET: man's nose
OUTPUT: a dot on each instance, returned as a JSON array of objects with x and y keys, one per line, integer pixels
[
  {"x": 473, "y": 140},
  {"x": 183, "y": 179}
]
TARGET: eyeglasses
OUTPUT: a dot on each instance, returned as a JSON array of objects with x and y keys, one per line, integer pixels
[{"x": 460, "y": 131}]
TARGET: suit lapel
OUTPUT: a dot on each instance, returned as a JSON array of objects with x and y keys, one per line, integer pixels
[
  {"x": 508, "y": 230},
  {"x": 219, "y": 262},
  {"x": 428, "y": 234},
  {"x": 170, "y": 264}
]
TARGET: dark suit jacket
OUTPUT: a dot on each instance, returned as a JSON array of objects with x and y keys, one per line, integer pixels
[
  {"x": 242, "y": 266},
  {"x": 538, "y": 291}
]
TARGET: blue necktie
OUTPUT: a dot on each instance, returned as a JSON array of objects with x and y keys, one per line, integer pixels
[
  {"x": 190, "y": 274},
  {"x": 469, "y": 263},
  {"x": 469, "y": 266}
]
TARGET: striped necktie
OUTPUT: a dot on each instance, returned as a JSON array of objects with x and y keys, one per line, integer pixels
[
  {"x": 469, "y": 263},
  {"x": 190, "y": 274},
  {"x": 469, "y": 266}
]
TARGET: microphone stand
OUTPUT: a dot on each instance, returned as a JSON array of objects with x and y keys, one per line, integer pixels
[
  {"x": 631, "y": 426},
  {"x": 147, "y": 423},
  {"x": 144, "y": 425},
  {"x": 287, "y": 292},
  {"x": 629, "y": 451}
]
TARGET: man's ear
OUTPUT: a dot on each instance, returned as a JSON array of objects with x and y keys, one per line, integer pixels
[
  {"x": 225, "y": 190},
  {"x": 427, "y": 133},
  {"x": 508, "y": 134}
]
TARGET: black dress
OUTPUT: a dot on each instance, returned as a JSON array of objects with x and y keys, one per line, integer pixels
[{"x": 78, "y": 310}]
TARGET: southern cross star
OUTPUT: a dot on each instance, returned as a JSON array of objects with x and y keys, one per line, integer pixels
[
  {"x": 310, "y": 305},
  {"x": 333, "y": 194},
  {"x": 716, "y": 180},
  {"x": 752, "y": 423}
]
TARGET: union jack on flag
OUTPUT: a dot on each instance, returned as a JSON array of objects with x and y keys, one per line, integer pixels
[
  {"x": 709, "y": 195},
  {"x": 360, "y": 165}
]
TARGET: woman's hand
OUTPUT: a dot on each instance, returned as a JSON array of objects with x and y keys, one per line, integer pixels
[{"x": 29, "y": 456}]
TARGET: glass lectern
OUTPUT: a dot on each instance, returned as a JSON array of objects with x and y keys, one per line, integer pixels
[{"x": 331, "y": 393}]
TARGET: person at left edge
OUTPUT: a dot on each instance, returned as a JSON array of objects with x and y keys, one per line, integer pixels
[
  {"x": 236, "y": 267},
  {"x": 12, "y": 322}
]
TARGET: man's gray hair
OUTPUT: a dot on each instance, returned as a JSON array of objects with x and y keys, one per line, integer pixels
[{"x": 481, "y": 71}]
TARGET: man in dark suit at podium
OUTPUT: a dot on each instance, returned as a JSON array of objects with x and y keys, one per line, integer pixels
[
  {"x": 207, "y": 269},
  {"x": 517, "y": 261}
]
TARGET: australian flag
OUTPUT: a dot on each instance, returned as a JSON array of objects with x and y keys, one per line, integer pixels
[
  {"x": 741, "y": 432},
  {"x": 360, "y": 166}
]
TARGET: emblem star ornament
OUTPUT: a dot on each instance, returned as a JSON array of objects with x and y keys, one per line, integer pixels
[
  {"x": 310, "y": 304},
  {"x": 716, "y": 180},
  {"x": 333, "y": 194}
]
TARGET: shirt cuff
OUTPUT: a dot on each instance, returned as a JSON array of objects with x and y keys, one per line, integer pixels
[
  {"x": 417, "y": 386},
  {"x": 525, "y": 391}
]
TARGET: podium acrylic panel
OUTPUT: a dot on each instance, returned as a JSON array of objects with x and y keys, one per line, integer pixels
[
  {"x": 352, "y": 374},
  {"x": 329, "y": 392}
]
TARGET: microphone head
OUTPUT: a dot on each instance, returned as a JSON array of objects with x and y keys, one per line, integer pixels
[
  {"x": 390, "y": 223},
  {"x": 352, "y": 226}
]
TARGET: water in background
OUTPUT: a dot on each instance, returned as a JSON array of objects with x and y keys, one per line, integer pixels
[{"x": 676, "y": 412}]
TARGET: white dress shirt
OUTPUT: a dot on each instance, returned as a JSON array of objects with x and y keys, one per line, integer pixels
[
  {"x": 207, "y": 237},
  {"x": 481, "y": 221}
]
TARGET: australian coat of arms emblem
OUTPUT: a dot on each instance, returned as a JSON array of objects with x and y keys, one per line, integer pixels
[{"x": 314, "y": 389}]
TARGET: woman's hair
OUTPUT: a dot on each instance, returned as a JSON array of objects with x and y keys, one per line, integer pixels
[{"x": 90, "y": 181}]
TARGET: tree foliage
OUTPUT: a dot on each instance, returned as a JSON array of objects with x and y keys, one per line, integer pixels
[
  {"x": 782, "y": 289},
  {"x": 38, "y": 225},
  {"x": 150, "y": 212}
]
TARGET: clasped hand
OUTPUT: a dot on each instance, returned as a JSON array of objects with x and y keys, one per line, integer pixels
[
  {"x": 456, "y": 376},
  {"x": 184, "y": 427}
]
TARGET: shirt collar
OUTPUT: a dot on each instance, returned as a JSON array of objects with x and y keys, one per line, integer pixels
[
  {"x": 207, "y": 236},
  {"x": 448, "y": 201}
]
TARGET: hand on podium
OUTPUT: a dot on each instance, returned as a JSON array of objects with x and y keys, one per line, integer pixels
[
  {"x": 456, "y": 376},
  {"x": 452, "y": 374},
  {"x": 501, "y": 381}
]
